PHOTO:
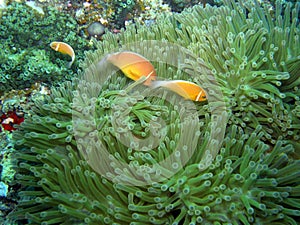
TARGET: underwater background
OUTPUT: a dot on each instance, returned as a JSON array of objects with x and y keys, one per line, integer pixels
[{"x": 67, "y": 130}]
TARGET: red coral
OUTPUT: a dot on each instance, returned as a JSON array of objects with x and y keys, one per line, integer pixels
[{"x": 9, "y": 119}]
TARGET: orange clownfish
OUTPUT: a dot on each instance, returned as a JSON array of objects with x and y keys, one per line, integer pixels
[
  {"x": 133, "y": 65},
  {"x": 186, "y": 89},
  {"x": 64, "y": 48}
]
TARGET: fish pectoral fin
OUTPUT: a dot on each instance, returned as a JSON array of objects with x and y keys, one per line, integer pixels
[{"x": 132, "y": 75}]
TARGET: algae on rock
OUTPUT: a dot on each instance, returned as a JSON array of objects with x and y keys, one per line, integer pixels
[{"x": 26, "y": 56}]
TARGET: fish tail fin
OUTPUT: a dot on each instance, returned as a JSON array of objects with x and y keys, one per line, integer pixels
[
  {"x": 69, "y": 64},
  {"x": 156, "y": 84}
]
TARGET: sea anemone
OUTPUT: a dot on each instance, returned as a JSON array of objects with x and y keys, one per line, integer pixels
[
  {"x": 247, "y": 183},
  {"x": 252, "y": 51}
]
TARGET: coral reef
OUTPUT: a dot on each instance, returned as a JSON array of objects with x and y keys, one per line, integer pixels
[
  {"x": 254, "y": 55},
  {"x": 25, "y": 36},
  {"x": 7, "y": 191},
  {"x": 148, "y": 11},
  {"x": 179, "y": 5},
  {"x": 113, "y": 14}
]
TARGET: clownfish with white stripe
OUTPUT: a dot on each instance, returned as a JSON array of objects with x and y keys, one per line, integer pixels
[
  {"x": 63, "y": 48},
  {"x": 186, "y": 89},
  {"x": 133, "y": 65}
]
